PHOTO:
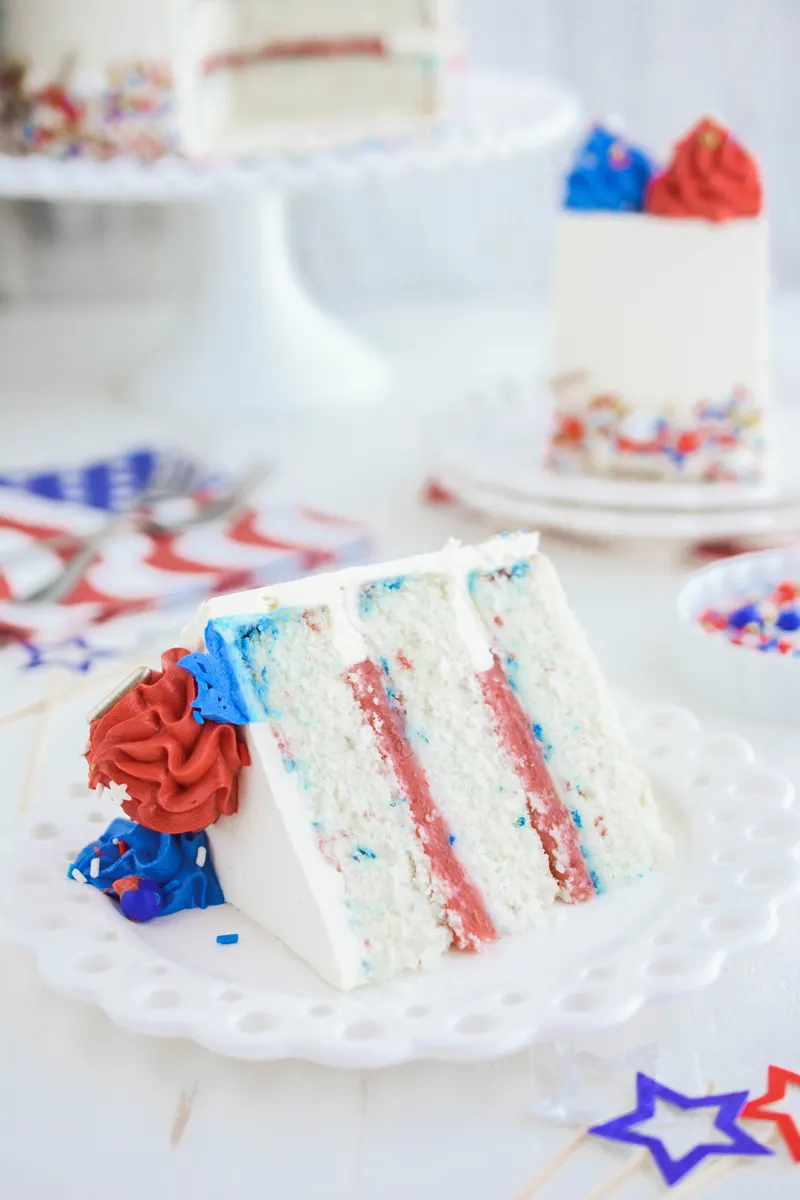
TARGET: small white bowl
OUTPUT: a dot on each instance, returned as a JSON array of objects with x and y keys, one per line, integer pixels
[{"x": 765, "y": 685}]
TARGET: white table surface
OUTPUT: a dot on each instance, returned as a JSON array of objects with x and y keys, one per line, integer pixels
[{"x": 87, "y": 1110}]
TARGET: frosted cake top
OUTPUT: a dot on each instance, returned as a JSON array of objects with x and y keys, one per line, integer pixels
[{"x": 709, "y": 176}]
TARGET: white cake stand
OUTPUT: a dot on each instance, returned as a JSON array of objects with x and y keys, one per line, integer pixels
[{"x": 251, "y": 338}]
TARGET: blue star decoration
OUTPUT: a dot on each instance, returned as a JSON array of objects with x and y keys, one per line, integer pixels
[
  {"x": 648, "y": 1091},
  {"x": 73, "y": 654}
]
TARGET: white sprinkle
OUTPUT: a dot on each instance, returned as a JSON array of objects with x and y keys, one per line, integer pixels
[
  {"x": 78, "y": 875},
  {"x": 94, "y": 868},
  {"x": 115, "y": 841},
  {"x": 200, "y": 859}
]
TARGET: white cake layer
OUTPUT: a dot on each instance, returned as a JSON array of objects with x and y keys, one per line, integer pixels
[
  {"x": 661, "y": 311},
  {"x": 452, "y": 734},
  {"x": 87, "y": 36},
  {"x": 232, "y": 24},
  {"x": 561, "y": 688},
  {"x": 359, "y": 842},
  {"x": 251, "y": 106}
]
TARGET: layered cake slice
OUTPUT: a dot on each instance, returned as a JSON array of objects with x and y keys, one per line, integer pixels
[
  {"x": 386, "y": 761},
  {"x": 660, "y": 313},
  {"x": 255, "y": 74},
  {"x": 435, "y": 758}
]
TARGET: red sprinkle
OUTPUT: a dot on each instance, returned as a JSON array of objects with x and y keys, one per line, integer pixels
[
  {"x": 404, "y": 661},
  {"x": 467, "y": 917},
  {"x": 434, "y": 493},
  {"x": 129, "y": 883},
  {"x": 785, "y": 593}
]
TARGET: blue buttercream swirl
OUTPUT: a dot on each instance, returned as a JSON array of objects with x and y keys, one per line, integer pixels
[
  {"x": 609, "y": 175},
  {"x": 219, "y": 696},
  {"x": 169, "y": 860}
]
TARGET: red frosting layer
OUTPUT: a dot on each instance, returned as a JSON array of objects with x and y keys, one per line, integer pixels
[
  {"x": 344, "y": 47},
  {"x": 710, "y": 176},
  {"x": 180, "y": 775},
  {"x": 466, "y": 915},
  {"x": 547, "y": 814}
]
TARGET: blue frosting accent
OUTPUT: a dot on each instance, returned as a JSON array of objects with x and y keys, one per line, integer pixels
[
  {"x": 609, "y": 175},
  {"x": 219, "y": 697},
  {"x": 167, "y": 860}
]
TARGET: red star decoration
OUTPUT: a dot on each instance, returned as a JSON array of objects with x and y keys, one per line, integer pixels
[{"x": 777, "y": 1081}]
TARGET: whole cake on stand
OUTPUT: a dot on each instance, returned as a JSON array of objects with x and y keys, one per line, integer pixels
[
  {"x": 217, "y": 77},
  {"x": 238, "y": 103}
]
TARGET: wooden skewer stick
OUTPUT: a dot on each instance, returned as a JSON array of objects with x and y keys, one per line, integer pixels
[
  {"x": 702, "y": 1179},
  {"x": 48, "y": 706},
  {"x": 552, "y": 1165},
  {"x": 30, "y": 786},
  {"x": 36, "y": 706},
  {"x": 610, "y": 1185}
]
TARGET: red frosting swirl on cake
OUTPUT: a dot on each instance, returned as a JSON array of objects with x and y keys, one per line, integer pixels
[
  {"x": 710, "y": 176},
  {"x": 180, "y": 775}
]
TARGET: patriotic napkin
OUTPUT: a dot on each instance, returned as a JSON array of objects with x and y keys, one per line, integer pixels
[{"x": 137, "y": 572}]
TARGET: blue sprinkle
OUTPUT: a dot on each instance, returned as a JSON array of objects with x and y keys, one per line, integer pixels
[
  {"x": 227, "y": 939},
  {"x": 598, "y": 887},
  {"x": 364, "y": 853},
  {"x": 452, "y": 839},
  {"x": 577, "y": 818},
  {"x": 746, "y": 615},
  {"x": 539, "y": 735},
  {"x": 789, "y": 621},
  {"x": 520, "y": 821}
]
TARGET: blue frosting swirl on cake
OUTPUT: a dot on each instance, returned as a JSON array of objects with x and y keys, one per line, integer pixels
[
  {"x": 178, "y": 864},
  {"x": 219, "y": 697},
  {"x": 609, "y": 175}
]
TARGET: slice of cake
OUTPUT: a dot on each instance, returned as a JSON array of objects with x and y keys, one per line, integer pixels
[
  {"x": 260, "y": 73},
  {"x": 660, "y": 313},
  {"x": 432, "y": 757},
  {"x": 217, "y": 77}
]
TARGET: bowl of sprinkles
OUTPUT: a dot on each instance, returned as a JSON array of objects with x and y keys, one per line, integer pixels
[{"x": 741, "y": 622}]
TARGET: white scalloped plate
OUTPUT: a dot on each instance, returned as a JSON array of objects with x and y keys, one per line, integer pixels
[
  {"x": 592, "y": 968},
  {"x": 507, "y": 509}
]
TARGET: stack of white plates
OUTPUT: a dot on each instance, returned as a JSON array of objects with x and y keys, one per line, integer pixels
[{"x": 490, "y": 460}]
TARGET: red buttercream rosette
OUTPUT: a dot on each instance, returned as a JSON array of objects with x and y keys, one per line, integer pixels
[
  {"x": 710, "y": 176},
  {"x": 180, "y": 775}
]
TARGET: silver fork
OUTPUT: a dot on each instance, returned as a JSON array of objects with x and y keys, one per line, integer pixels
[
  {"x": 171, "y": 479},
  {"x": 55, "y": 589}
]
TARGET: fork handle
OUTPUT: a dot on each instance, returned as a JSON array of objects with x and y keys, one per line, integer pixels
[{"x": 57, "y": 588}]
